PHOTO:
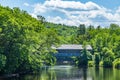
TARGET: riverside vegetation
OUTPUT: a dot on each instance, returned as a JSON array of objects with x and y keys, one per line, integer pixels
[{"x": 25, "y": 42}]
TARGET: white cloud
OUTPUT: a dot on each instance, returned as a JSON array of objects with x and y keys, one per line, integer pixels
[
  {"x": 118, "y": 10},
  {"x": 33, "y": 15},
  {"x": 76, "y": 12},
  {"x": 71, "y": 21},
  {"x": 25, "y": 4},
  {"x": 39, "y": 8},
  {"x": 58, "y": 20},
  {"x": 71, "y": 4}
]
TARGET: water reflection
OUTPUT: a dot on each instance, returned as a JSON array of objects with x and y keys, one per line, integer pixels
[
  {"x": 72, "y": 73},
  {"x": 105, "y": 74}
]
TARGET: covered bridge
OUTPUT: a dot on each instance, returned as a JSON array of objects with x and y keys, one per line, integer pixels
[{"x": 65, "y": 52}]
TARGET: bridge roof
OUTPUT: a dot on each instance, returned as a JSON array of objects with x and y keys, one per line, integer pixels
[{"x": 72, "y": 47}]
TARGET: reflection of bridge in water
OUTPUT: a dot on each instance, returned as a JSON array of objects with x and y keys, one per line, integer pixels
[
  {"x": 66, "y": 52},
  {"x": 67, "y": 72}
]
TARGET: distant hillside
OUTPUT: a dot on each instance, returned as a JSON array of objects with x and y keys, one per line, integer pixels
[{"x": 64, "y": 31}]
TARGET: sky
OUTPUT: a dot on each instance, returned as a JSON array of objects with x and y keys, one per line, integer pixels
[{"x": 71, "y": 12}]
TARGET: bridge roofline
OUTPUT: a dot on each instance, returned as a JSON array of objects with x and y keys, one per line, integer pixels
[{"x": 72, "y": 47}]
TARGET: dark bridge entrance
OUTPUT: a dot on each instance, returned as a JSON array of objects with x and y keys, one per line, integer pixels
[{"x": 66, "y": 52}]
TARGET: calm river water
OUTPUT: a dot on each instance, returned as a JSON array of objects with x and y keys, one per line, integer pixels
[{"x": 71, "y": 73}]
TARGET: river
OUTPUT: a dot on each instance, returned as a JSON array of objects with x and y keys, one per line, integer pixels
[{"x": 71, "y": 73}]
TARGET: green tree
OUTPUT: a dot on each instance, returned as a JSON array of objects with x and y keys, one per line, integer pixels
[
  {"x": 97, "y": 59},
  {"x": 81, "y": 30},
  {"x": 108, "y": 57},
  {"x": 83, "y": 58}
]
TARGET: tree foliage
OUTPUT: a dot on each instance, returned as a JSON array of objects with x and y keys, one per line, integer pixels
[{"x": 25, "y": 42}]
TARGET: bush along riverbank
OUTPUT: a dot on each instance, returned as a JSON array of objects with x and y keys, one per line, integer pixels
[{"x": 87, "y": 59}]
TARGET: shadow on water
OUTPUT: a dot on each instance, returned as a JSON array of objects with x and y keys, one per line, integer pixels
[{"x": 66, "y": 72}]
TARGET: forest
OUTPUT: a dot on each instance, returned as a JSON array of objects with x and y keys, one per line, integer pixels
[{"x": 25, "y": 42}]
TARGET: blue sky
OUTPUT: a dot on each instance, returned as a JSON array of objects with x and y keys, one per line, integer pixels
[{"x": 71, "y": 12}]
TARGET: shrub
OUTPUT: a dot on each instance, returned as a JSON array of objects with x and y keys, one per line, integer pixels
[
  {"x": 90, "y": 63},
  {"x": 2, "y": 61},
  {"x": 107, "y": 63},
  {"x": 97, "y": 59},
  {"x": 116, "y": 63},
  {"x": 101, "y": 64}
]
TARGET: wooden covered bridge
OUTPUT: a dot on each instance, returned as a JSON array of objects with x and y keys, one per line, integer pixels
[{"x": 65, "y": 52}]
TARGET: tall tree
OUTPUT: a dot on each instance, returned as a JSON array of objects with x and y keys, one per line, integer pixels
[{"x": 81, "y": 29}]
